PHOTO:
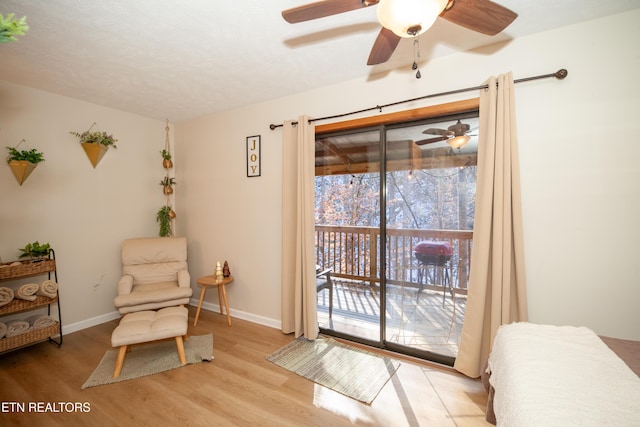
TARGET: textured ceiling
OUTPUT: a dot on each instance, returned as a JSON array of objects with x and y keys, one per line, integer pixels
[{"x": 181, "y": 60}]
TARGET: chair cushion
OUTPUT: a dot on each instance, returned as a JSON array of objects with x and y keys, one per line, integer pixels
[
  {"x": 149, "y": 250},
  {"x": 154, "y": 259},
  {"x": 165, "y": 291},
  {"x": 145, "y": 326}
]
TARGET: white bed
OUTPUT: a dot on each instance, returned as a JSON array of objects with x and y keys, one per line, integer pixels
[{"x": 543, "y": 375}]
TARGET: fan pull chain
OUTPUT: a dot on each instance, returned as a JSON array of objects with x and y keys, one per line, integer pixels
[{"x": 416, "y": 57}]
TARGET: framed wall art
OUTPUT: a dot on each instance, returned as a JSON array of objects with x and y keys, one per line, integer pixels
[{"x": 253, "y": 155}]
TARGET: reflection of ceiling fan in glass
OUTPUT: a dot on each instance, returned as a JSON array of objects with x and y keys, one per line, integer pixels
[
  {"x": 410, "y": 18},
  {"x": 456, "y": 135}
]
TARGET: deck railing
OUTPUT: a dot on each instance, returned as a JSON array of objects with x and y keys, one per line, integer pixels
[{"x": 353, "y": 253}]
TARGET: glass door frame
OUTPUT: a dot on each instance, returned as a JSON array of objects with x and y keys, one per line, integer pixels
[{"x": 384, "y": 123}]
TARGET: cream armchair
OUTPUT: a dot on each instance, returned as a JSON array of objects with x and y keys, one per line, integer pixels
[{"x": 154, "y": 274}]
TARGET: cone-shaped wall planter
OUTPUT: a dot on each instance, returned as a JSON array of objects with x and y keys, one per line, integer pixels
[
  {"x": 21, "y": 169},
  {"x": 95, "y": 152}
]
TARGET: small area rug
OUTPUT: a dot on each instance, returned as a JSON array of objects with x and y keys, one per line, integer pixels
[
  {"x": 349, "y": 370},
  {"x": 151, "y": 358}
]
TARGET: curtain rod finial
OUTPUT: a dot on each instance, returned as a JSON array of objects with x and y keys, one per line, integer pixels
[{"x": 561, "y": 74}]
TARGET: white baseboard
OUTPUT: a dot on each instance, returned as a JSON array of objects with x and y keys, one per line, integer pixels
[
  {"x": 250, "y": 317},
  {"x": 87, "y": 323}
]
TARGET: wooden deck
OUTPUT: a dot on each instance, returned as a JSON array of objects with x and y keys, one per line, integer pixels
[{"x": 424, "y": 320}]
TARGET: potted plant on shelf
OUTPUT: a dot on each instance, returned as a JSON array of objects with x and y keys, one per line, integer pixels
[
  {"x": 166, "y": 159},
  {"x": 164, "y": 217},
  {"x": 35, "y": 251},
  {"x": 95, "y": 144},
  {"x": 167, "y": 184},
  {"x": 22, "y": 163}
]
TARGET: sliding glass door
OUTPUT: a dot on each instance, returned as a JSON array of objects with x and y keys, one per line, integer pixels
[
  {"x": 348, "y": 232},
  {"x": 394, "y": 220}
]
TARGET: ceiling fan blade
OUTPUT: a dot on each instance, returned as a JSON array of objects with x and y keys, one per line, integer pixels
[
  {"x": 483, "y": 16},
  {"x": 323, "y": 8},
  {"x": 434, "y": 131},
  {"x": 431, "y": 140},
  {"x": 383, "y": 47}
]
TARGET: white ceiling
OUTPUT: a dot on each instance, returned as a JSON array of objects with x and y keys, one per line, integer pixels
[{"x": 184, "y": 59}]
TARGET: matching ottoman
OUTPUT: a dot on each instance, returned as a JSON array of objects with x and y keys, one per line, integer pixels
[{"x": 147, "y": 326}]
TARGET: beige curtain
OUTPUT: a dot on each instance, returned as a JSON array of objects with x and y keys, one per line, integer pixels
[
  {"x": 497, "y": 291},
  {"x": 299, "y": 310}
]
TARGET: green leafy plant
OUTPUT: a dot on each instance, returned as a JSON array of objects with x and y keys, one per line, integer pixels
[
  {"x": 10, "y": 27},
  {"x": 164, "y": 217},
  {"x": 96, "y": 137},
  {"x": 166, "y": 155},
  {"x": 166, "y": 181},
  {"x": 33, "y": 155},
  {"x": 35, "y": 250}
]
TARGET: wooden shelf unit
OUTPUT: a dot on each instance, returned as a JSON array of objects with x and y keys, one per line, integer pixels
[{"x": 24, "y": 270}]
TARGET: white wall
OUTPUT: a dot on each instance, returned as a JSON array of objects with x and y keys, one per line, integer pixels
[
  {"x": 580, "y": 173},
  {"x": 84, "y": 213}
]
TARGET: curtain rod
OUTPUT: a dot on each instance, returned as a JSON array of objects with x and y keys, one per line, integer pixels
[{"x": 560, "y": 74}]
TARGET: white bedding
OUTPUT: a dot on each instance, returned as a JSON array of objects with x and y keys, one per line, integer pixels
[{"x": 547, "y": 375}]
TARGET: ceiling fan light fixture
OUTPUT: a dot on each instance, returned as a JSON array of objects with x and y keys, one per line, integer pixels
[
  {"x": 409, "y": 18},
  {"x": 458, "y": 141}
]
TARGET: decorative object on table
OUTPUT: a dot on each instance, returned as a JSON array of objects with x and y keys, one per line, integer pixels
[
  {"x": 219, "y": 275},
  {"x": 352, "y": 371},
  {"x": 95, "y": 144},
  {"x": 226, "y": 272},
  {"x": 11, "y": 27},
  {"x": 150, "y": 359},
  {"x": 253, "y": 155},
  {"x": 22, "y": 163}
]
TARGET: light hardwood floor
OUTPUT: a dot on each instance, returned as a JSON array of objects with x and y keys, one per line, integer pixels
[{"x": 238, "y": 388}]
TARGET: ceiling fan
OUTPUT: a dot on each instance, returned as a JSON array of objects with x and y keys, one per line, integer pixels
[
  {"x": 455, "y": 135},
  {"x": 410, "y": 18}
]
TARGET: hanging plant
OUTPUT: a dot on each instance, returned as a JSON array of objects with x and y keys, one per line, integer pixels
[
  {"x": 167, "y": 185},
  {"x": 22, "y": 163},
  {"x": 33, "y": 156},
  {"x": 10, "y": 27},
  {"x": 95, "y": 144},
  {"x": 166, "y": 162},
  {"x": 96, "y": 137},
  {"x": 164, "y": 217}
]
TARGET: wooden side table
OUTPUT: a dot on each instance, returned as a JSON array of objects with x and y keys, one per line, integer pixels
[{"x": 211, "y": 280}]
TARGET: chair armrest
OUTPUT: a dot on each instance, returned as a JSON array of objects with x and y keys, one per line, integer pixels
[
  {"x": 184, "y": 279},
  {"x": 125, "y": 284}
]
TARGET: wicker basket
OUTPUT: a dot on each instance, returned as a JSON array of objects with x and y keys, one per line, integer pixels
[
  {"x": 29, "y": 337},
  {"x": 18, "y": 305},
  {"x": 26, "y": 268}
]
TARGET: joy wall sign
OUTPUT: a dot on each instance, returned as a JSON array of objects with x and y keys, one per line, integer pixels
[{"x": 253, "y": 155}]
